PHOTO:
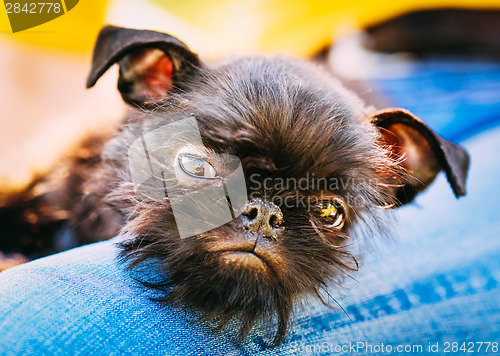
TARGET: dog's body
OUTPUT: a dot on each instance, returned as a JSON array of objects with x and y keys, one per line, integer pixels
[{"x": 285, "y": 121}]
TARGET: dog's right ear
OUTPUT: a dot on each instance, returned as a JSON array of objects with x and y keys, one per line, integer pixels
[{"x": 151, "y": 63}]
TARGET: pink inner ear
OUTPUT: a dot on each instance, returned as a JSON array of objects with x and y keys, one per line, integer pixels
[
  {"x": 151, "y": 71},
  {"x": 408, "y": 144},
  {"x": 413, "y": 150}
]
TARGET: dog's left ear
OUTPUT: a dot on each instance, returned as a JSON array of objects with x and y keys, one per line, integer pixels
[
  {"x": 152, "y": 64},
  {"x": 421, "y": 152}
]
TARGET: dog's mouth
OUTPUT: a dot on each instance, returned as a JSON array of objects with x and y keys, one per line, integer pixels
[
  {"x": 245, "y": 255},
  {"x": 245, "y": 259}
]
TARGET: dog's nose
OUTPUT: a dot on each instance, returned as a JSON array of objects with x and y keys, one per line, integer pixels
[{"x": 262, "y": 217}]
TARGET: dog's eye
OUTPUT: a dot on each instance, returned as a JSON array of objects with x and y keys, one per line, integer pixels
[
  {"x": 332, "y": 214},
  {"x": 197, "y": 167}
]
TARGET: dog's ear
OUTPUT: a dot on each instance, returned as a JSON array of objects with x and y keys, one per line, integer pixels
[
  {"x": 151, "y": 63},
  {"x": 421, "y": 152}
]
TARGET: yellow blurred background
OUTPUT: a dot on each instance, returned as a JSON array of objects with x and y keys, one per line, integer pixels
[
  {"x": 45, "y": 107},
  {"x": 285, "y": 26}
]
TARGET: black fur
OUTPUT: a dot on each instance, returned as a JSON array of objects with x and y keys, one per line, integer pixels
[{"x": 284, "y": 119}]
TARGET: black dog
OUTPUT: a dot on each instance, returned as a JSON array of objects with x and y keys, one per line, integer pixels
[{"x": 318, "y": 164}]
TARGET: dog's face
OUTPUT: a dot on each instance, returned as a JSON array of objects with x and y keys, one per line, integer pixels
[{"x": 316, "y": 164}]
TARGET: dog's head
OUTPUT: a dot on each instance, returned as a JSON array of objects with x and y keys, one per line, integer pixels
[{"x": 315, "y": 162}]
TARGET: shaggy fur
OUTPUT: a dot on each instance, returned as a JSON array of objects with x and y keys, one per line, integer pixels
[{"x": 283, "y": 119}]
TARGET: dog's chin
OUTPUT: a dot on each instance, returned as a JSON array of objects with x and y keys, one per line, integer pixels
[
  {"x": 231, "y": 283},
  {"x": 225, "y": 278}
]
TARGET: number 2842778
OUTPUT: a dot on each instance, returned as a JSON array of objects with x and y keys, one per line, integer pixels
[{"x": 33, "y": 8}]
